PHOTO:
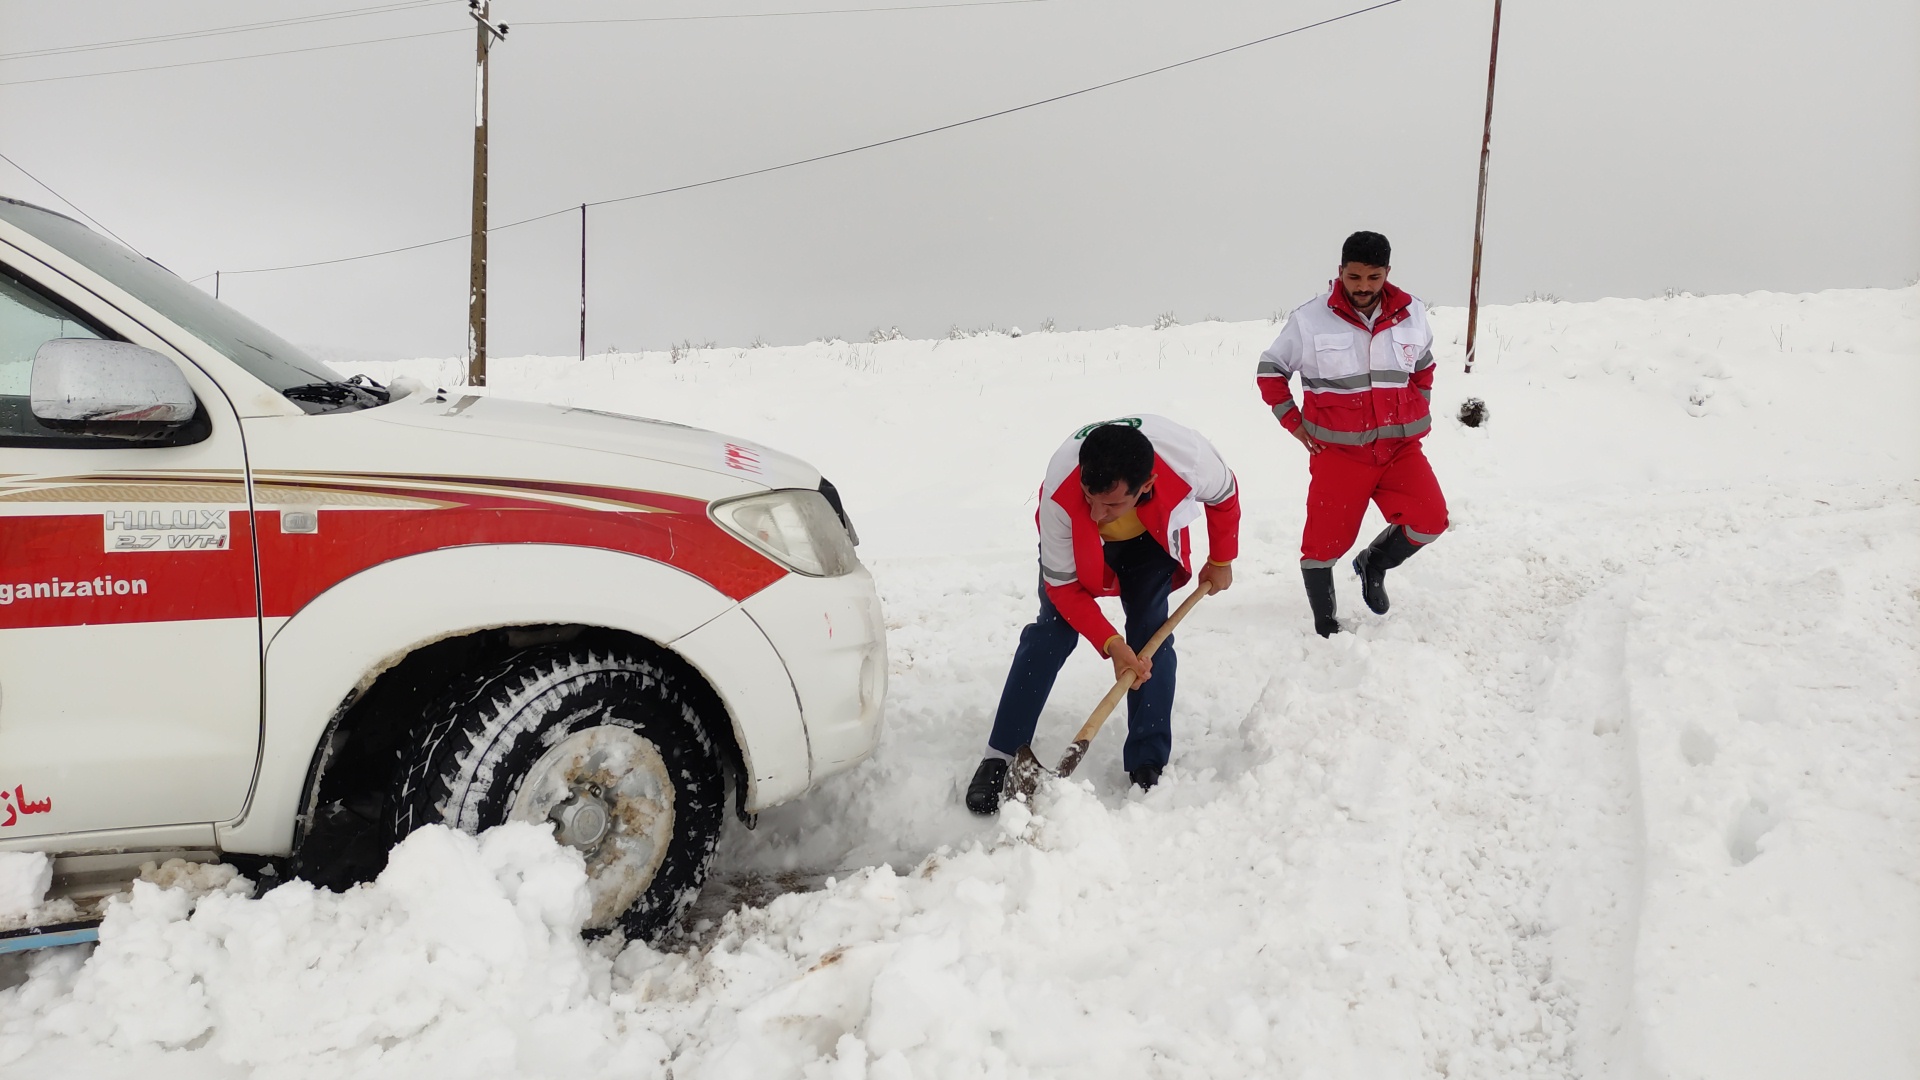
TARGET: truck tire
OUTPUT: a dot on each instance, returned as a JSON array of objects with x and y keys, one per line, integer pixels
[{"x": 609, "y": 748}]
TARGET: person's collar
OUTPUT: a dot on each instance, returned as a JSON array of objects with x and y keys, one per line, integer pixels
[{"x": 1393, "y": 301}]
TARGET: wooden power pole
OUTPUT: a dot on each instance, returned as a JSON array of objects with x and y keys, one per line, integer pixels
[
  {"x": 583, "y": 282},
  {"x": 486, "y": 33},
  {"x": 1480, "y": 214}
]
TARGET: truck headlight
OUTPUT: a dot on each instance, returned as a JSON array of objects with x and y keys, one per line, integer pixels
[{"x": 794, "y": 527}]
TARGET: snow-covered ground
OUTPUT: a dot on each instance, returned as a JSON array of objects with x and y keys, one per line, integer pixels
[{"x": 1628, "y": 783}]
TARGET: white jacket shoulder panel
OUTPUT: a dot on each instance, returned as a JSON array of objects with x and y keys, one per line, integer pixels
[
  {"x": 1292, "y": 345},
  {"x": 1056, "y": 527},
  {"x": 1056, "y": 542},
  {"x": 1192, "y": 456}
]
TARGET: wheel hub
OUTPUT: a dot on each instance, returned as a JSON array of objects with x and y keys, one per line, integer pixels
[
  {"x": 607, "y": 793},
  {"x": 582, "y": 821}
]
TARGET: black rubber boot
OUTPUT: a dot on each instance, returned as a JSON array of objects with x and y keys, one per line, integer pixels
[
  {"x": 1388, "y": 550},
  {"x": 1319, "y": 581},
  {"x": 989, "y": 782},
  {"x": 1145, "y": 777}
]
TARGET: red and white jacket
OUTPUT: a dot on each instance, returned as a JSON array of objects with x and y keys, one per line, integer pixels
[
  {"x": 1192, "y": 480},
  {"x": 1363, "y": 385}
]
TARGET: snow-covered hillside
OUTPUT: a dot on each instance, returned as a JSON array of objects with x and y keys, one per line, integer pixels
[{"x": 1628, "y": 783}]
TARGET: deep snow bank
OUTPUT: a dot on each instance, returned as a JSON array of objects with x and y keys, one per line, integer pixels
[
  {"x": 24, "y": 879},
  {"x": 1627, "y": 784},
  {"x": 464, "y": 955}
]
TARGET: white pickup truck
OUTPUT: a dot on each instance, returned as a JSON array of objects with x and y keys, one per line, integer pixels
[{"x": 253, "y": 612}]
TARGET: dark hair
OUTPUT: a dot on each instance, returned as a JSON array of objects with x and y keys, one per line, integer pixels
[
  {"x": 1115, "y": 452},
  {"x": 1369, "y": 248}
]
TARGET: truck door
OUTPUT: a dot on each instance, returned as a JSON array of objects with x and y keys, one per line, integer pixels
[{"x": 129, "y": 626}]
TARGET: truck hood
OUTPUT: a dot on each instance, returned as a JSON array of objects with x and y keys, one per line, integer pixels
[{"x": 605, "y": 432}]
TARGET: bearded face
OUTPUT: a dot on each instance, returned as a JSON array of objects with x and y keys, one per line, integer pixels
[{"x": 1363, "y": 284}]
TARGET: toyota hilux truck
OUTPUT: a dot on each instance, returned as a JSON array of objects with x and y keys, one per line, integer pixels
[{"x": 255, "y": 613}]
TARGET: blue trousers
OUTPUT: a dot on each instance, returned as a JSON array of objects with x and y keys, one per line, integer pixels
[{"x": 1146, "y": 574}]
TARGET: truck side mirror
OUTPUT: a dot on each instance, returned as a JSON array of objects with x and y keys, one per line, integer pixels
[{"x": 92, "y": 381}]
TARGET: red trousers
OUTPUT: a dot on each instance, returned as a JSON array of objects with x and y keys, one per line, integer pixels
[{"x": 1344, "y": 478}]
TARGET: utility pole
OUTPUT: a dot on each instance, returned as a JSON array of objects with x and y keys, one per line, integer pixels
[
  {"x": 583, "y": 282},
  {"x": 485, "y": 34},
  {"x": 1480, "y": 215},
  {"x": 216, "y": 284}
]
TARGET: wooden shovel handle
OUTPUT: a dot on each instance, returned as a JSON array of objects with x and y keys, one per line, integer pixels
[{"x": 1125, "y": 683}]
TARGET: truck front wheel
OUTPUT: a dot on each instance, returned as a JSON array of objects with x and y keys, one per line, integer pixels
[{"x": 608, "y": 748}]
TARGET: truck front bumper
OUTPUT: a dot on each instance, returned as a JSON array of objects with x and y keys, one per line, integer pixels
[{"x": 832, "y": 638}]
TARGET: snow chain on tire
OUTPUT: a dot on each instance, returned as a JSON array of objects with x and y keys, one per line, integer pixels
[{"x": 600, "y": 733}]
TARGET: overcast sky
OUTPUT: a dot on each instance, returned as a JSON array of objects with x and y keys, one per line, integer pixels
[{"x": 1639, "y": 145}]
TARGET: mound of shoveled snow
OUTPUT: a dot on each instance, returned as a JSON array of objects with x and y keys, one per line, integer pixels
[
  {"x": 25, "y": 877},
  {"x": 465, "y": 954}
]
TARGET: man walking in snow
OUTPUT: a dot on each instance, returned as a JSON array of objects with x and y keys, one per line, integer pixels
[
  {"x": 1113, "y": 518},
  {"x": 1364, "y": 354}
]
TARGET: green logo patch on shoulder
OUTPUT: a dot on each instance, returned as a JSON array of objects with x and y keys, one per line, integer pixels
[{"x": 1130, "y": 421}]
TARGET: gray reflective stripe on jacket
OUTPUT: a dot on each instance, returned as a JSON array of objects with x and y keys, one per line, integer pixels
[
  {"x": 1345, "y": 382},
  {"x": 1281, "y": 410},
  {"x": 1356, "y": 384},
  {"x": 1362, "y": 438}
]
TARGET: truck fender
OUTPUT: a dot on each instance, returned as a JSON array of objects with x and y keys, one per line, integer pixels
[{"x": 319, "y": 660}]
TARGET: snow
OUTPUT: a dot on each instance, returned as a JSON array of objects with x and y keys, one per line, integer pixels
[
  {"x": 25, "y": 877},
  {"x": 1627, "y": 784}
]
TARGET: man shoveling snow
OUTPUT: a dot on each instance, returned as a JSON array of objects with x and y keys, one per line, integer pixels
[
  {"x": 1113, "y": 520},
  {"x": 1364, "y": 353}
]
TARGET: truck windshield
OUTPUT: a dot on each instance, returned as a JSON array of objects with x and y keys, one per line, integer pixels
[{"x": 262, "y": 353}]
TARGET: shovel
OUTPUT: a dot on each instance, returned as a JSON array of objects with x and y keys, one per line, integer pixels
[{"x": 1027, "y": 770}]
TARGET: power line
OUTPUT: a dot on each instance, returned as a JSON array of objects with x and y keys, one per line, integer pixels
[
  {"x": 409, "y": 247},
  {"x": 432, "y": 33},
  {"x": 222, "y": 31},
  {"x": 70, "y": 203},
  {"x": 850, "y": 150},
  {"x": 1002, "y": 112},
  {"x": 778, "y": 14},
  {"x": 229, "y": 59}
]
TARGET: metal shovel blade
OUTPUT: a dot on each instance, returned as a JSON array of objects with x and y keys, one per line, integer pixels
[{"x": 1027, "y": 772}]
